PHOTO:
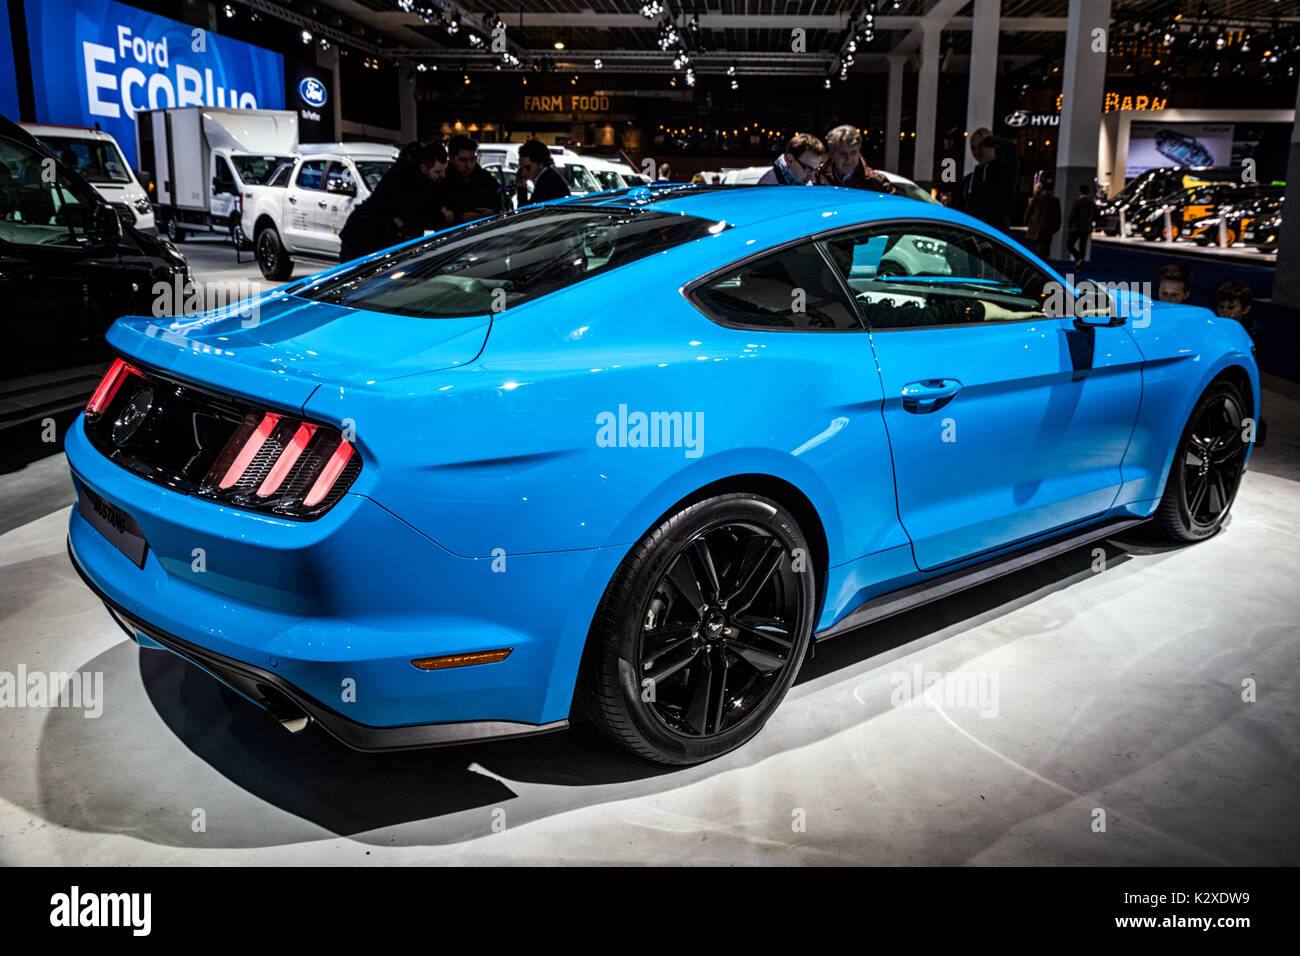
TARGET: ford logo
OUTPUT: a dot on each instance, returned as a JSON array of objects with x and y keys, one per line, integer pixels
[
  {"x": 312, "y": 92},
  {"x": 1017, "y": 119}
]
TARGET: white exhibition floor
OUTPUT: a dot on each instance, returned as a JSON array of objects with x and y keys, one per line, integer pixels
[{"x": 1119, "y": 692}]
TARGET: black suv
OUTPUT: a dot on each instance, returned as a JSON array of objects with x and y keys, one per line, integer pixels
[{"x": 69, "y": 266}]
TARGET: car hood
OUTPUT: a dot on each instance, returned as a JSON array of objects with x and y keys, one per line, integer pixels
[{"x": 278, "y": 348}]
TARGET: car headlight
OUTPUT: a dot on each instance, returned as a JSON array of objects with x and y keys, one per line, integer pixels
[
  {"x": 142, "y": 206},
  {"x": 928, "y": 246}
]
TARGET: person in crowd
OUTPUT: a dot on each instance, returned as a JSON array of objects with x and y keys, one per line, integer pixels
[
  {"x": 698, "y": 180},
  {"x": 470, "y": 191},
  {"x": 665, "y": 173},
  {"x": 844, "y": 164},
  {"x": 798, "y": 164},
  {"x": 990, "y": 189},
  {"x": 1079, "y": 227},
  {"x": 402, "y": 205},
  {"x": 1043, "y": 218},
  {"x": 1233, "y": 301},
  {"x": 1173, "y": 283},
  {"x": 537, "y": 165}
]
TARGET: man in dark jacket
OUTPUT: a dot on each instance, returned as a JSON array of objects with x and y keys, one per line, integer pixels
[
  {"x": 401, "y": 207},
  {"x": 537, "y": 165},
  {"x": 798, "y": 164},
  {"x": 845, "y": 166},
  {"x": 991, "y": 187},
  {"x": 1043, "y": 218},
  {"x": 1079, "y": 226},
  {"x": 470, "y": 191}
]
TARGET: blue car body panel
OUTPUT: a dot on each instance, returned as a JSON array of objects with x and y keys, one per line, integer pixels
[{"x": 490, "y": 513}]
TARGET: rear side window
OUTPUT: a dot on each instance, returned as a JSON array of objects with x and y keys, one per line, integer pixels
[
  {"x": 499, "y": 263},
  {"x": 794, "y": 290},
  {"x": 312, "y": 175}
]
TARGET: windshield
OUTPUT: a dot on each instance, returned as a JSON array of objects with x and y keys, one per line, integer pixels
[
  {"x": 578, "y": 178},
  {"x": 97, "y": 160},
  {"x": 256, "y": 170},
  {"x": 912, "y": 191},
  {"x": 372, "y": 170},
  {"x": 498, "y": 263}
]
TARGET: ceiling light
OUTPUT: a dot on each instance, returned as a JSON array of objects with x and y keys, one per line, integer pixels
[{"x": 306, "y": 36}]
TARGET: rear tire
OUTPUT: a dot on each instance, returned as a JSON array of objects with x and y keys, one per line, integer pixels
[
  {"x": 272, "y": 258},
  {"x": 701, "y": 631},
  {"x": 1207, "y": 467},
  {"x": 174, "y": 232}
]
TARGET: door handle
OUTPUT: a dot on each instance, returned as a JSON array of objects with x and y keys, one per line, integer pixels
[
  {"x": 929, "y": 394},
  {"x": 293, "y": 199},
  {"x": 322, "y": 204}
]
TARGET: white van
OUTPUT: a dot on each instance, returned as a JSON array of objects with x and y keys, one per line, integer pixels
[
  {"x": 96, "y": 156},
  {"x": 502, "y": 161},
  {"x": 614, "y": 173}
]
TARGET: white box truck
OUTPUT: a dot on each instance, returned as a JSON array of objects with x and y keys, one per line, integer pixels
[{"x": 200, "y": 158}]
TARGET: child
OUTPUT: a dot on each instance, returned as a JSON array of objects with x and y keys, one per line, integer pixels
[
  {"x": 1174, "y": 283},
  {"x": 1232, "y": 301}
]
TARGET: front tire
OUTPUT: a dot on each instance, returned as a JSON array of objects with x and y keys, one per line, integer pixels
[
  {"x": 1207, "y": 467},
  {"x": 701, "y": 632},
  {"x": 272, "y": 258}
]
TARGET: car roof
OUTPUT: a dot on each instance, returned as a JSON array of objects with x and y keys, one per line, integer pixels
[
  {"x": 79, "y": 132},
  {"x": 743, "y": 205}
]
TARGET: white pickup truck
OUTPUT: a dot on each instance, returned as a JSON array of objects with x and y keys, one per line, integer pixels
[{"x": 304, "y": 204}]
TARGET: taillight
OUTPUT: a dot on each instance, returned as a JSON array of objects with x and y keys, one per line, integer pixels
[
  {"x": 117, "y": 373},
  {"x": 277, "y": 463}
]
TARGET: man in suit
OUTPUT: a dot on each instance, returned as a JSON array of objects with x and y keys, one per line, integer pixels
[
  {"x": 537, "y": 165},
  {"x": 991, "y": 188}
]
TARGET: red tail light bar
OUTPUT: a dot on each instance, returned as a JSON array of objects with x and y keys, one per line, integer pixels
[
  {"x": 269, "y": 461},
  {"x": 117, "y": 374}
]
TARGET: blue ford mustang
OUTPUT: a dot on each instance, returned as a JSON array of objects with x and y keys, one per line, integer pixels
[{"x": 625, "y": 458}]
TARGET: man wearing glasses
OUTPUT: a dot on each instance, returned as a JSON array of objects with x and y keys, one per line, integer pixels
[{"x": 798, "y": 164}]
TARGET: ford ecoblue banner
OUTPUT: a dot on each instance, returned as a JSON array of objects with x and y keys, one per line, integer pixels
[
  {"x": 96, "y": 61},
  {"x": 8, "y": 78}
]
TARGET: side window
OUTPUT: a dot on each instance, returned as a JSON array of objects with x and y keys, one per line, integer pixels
[
  {"x": 339, "y": 176},
  {"x": 791, "y": 289},
  {"x": 33, "y": 209},
  {"x": 223, "y": 170},
  {"x": 312, "y": 175},
  {"x": 914, "y": 275}
]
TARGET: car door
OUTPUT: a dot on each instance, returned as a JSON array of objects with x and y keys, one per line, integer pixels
[
  {"x": 302, "y": 207},
  {"x": 224, "y": 192},
  {"x": 1004, "y": 422},
  {"x": 336, "y": 205}
]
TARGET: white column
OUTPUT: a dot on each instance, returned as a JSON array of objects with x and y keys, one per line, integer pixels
[
  {"x": 1084, "y": 88},
  {"x": 894, "y": 111},
  {"x": 983, "y": 70},
  {"x": 927, "y": 102}
]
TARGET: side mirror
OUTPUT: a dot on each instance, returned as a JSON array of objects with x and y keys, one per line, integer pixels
[
  {"x": 341, "y": 187},
  {"x": 1094, "y": 306},
  {"x": 223, "y": 186},
  {"x": 105, "y": 226}
]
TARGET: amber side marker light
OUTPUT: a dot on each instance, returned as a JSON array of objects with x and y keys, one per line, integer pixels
[{"x": 461, "y": 660}]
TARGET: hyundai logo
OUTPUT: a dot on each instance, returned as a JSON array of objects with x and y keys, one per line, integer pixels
[
  {"x": 1017, "y": 119},
  {"x": 312, "y": 92}
]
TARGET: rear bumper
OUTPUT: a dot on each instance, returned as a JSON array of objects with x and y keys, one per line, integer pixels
[
  {"x": 330, "y": 613},
  {"x": 293, "y": 707}
]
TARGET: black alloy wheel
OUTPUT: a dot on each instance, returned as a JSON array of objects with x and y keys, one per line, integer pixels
[
  {"x": 702, "y": 631},
  {"x": 1207, "y": 467},
  {"x": 272, "y": 258}
]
